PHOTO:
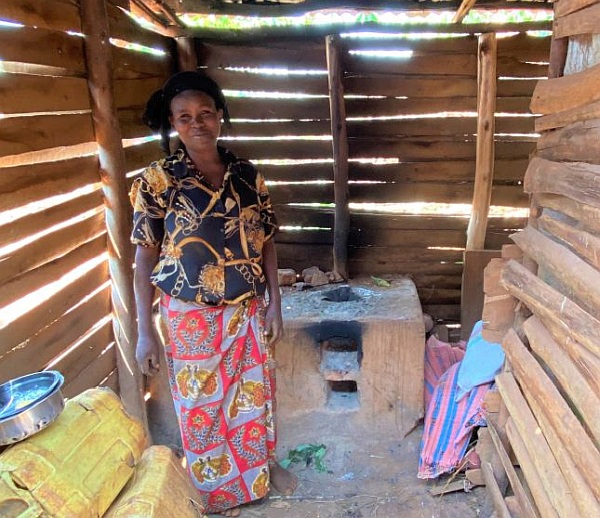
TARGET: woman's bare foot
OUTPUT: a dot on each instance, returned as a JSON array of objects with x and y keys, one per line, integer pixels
[
  {"x": 282, "y": 480},
  {"x": 234, "y": 511}
]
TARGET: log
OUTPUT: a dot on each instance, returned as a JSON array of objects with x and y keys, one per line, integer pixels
[
  {"x": 588, "y": 111},
  {"x": 567, "y": 92},
  {"x": 586, "y": 245},
  {"x": 532, "y": 477},
  {"x": 584, "y": 21},
  {"x": 340, "y": 155},
  {"x": 544, "y": 463},
  {"x": 587, "y": 215},
  {"x": 576, "y": 142},
  {"x": 100, "y": 82},
  {"x": 574, "y": 447},
  {"x": 552, "y": 306},
  {"x": 527, "y": 508},
  {"x": 577, "y": 180},
  {"x": 484, "y": 161},
  {"x": 558, "y": 56},
  {"x": 580, "y": 393},
  {"x": 501, "y": 511},
  {"x": 565, "y": 7},
  {"x": 60, "y": 15},
  {"x": 24, "y": 93},
  {"x": 577, "y": 276}
]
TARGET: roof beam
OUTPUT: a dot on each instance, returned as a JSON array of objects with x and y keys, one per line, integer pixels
[
  {"x": 297, "y": 9},
  {"x": 463, "y": 10},
  {"x": 317, "y": 31}
]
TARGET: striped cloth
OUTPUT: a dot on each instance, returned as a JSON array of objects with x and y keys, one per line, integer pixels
[
  {"x": 439, "y": 357},
  {"x": 448, "y": 425}
]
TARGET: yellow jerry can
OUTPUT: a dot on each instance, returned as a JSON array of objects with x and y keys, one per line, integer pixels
[
  {"x": 78, "y": 465},
  {"x": 160, "y": 488}
]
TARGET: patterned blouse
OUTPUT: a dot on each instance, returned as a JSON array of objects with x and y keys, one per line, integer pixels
[{"x": 211, "y": 241}]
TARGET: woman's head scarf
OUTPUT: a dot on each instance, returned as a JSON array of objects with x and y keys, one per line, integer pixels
[{"x": 158, "y": 107}]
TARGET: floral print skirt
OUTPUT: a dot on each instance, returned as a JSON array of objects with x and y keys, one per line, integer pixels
[{"x": 223, "y": 391}]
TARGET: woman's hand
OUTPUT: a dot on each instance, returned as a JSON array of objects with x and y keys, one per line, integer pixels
[
  {"x": 274, "y": 323},
  {"x": 147, "y": 353}
]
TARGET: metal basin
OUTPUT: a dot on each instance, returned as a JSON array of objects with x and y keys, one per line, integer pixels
[{"x": 28, "y": 404}]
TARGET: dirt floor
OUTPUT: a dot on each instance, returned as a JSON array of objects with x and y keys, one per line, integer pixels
[{"x": 378, "y": 480}]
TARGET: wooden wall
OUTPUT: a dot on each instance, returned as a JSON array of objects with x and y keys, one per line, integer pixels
[
  {"x": 52, "y": 229},
  {"x": 550, "y": 386},
  {"x": 435, "y": 156}
]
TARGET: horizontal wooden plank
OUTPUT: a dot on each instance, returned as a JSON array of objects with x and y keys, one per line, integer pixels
[
  {"x": 302, "y": 256},
  {"x": 405, "y": 255},
  {"x": 29, "y": 183},
  {"x": 309, "y": 237},
  {"x": 255, "y": 82},
  {"x": 372, "y": 236},
  {"x": 142, "y": 155},
  {"x": 76, "y": 360},
  {"x": 123, "y": 27},
  {"x": 383, "y": 222},
  {"x": 378, "y": 266},
  {"x": 578, "y": 181},
  {"x": 280, "y": 149},
  {"x": 585, "y": 112},
  {"x": 59, "y": 15},
  {"x": 112, "y": 381},
  {"x": 265, "y": 108},
  {"x": 413, "y": 150},
  {"x": 574, "y": 143},
  {"x": 132, "y": 64},
  {"x": 24, "y": 134},
  {"x": 27, "y": 325},
  {"x": 439, "y": 295},
  {"x": 567, "y": 92},
  {"x": 53, "y": 246},
  {"x": 131, "y": 124},
  {"x": 18, "y": 287},
  {"x": 25, "y": 94},
  {"x": 586, "y": 215},
  {"x": 430, "y": 86},
  {"x": 275, "y": 129},
  {"x": 303, "y": 216},
  {"x": 435, "y": 126},
  {"x": 390, "y": 106},
  {"x": 455, "y": 65},
  {"x": 45, "y": 219},
  {"x": 93, "y": 374},
  {"x": 502, "y": 195},
  {"x": 584, "y": 21},
  {"x": 460, "y": 44},
  {"x": 565, "y": 7},
  {"x": 133, "y": 93},
  {"x": 514, "y": 67},
  {"x": 505, "y": 171},
  {"x": 280, "y": 54},
  {"x": 57, "y": 337},
  {"x": 43, "y": 47}
]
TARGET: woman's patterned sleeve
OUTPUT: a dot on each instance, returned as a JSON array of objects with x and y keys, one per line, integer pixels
[
  {"x": 148, "y": 215},
  {"x": 267, "y": 215}
]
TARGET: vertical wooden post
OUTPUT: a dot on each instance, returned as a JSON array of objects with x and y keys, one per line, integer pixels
[
  {"x": 186, "y": 54},
  {"x": 484, "y": 161},
  {"x": 339, "y": 134},
  {"x": 94, "y": 23}
]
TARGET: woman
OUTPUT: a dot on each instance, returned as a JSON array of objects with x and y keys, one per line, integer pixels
[{"x": 204, "y": 226}]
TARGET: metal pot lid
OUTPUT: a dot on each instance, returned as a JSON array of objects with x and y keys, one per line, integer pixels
[{"x": 19, "y": 394}]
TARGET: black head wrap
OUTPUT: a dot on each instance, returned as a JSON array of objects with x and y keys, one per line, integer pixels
[{"x": 158, "y": 107}]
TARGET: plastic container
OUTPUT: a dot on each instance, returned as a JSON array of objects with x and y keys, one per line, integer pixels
[
  {"x": 77, "y": 466},
  {"x": 160, "y": 488}
]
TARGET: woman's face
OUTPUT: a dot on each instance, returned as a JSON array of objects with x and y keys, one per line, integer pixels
[{"x": 196, "y": 119}]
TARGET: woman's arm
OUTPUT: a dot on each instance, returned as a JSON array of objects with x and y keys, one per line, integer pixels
[
  {"x": 148, "y": 345},
  {"x": 274, "y": 320}
]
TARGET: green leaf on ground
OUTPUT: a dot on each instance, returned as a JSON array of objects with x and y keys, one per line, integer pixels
[
  {"x": 382, "y": 283},
  {"x": 308, "y": 454}
]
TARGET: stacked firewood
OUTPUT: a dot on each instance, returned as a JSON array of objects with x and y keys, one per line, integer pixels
[{"x": 545, "y": 305}]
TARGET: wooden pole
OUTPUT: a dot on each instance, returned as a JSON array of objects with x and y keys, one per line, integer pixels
[
  {"x": 186, "y": 54},
  {"x": 340, "y": 155},
  {"x": 98, "y": 53},
  {"x": 484, "y": 159}
]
